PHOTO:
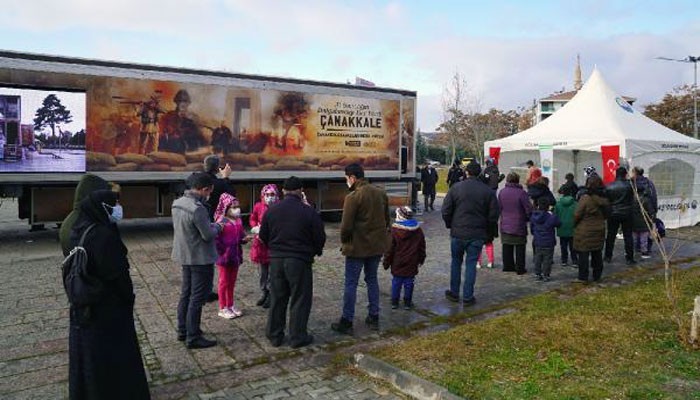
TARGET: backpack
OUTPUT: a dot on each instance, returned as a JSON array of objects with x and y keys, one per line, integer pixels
[{"x": 81, "y": 288}]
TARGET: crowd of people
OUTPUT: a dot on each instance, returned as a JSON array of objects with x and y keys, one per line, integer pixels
[{"x": 287, "y": 233}]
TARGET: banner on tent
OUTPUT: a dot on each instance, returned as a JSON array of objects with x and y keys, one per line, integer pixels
[
  {"x": 611, "y": 160},
  {"x": 677, "y": 211},
  {"x": 495, "y": 154},
  {"x": 547, "y": 162}
]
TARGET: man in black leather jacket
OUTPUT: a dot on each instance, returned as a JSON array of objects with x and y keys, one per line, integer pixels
[{"x": 621, "y": 199}]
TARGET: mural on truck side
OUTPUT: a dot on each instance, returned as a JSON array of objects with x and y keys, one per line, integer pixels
[{"x": 144, "y": 125}]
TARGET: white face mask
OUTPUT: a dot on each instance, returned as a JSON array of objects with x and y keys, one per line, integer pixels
[
  {"x": 348, "y": 181},
  {"x": 117, "y": 213},
  {"x": 270, "y": 199},
  {"x": 234, "y": 212}
]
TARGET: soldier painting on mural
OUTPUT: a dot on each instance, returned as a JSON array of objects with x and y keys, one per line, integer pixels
[
  {"x": 221, "y": 140},
  {"x": 148, "y": 136},
  {"x": 178, "y": 130}
]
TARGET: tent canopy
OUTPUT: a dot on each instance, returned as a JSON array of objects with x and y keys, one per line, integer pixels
[{"x": 597, "y": 116}]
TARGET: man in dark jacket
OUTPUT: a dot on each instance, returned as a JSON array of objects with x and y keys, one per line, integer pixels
[
  {"x": 294, "y": 233},
  {"x": 621, "y": 198},
  {"x": 470, "y": 210},
  {"x": 364, "y": 234},
  {"x": 491, "y": 175},
  {"x": 455, "y": 174},
  {"x": 429, "y": 178}
]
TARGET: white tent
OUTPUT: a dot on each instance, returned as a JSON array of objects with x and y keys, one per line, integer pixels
[{"x": 597, "y": 116}]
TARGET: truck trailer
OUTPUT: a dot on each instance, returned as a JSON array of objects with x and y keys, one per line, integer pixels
[{"x": 147, "y": 128}]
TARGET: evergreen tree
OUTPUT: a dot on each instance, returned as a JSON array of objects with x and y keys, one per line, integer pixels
[{"x": 51, "y": 113}]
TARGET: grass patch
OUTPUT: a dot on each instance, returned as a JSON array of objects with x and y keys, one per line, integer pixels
[{"x": 616, "y": 343}]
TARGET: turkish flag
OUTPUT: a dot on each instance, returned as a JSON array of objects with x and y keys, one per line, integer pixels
[
  {"x": 611, "y": 160},
  {"x": 495, "y": 153}
]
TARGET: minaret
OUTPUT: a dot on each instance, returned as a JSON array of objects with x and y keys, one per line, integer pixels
[{"x": 577, "y": 74}]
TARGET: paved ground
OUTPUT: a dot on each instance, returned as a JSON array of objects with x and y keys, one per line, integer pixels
[{"x": 34, "y": 321}]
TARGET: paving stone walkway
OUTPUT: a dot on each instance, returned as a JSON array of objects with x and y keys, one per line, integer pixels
[{"x": 34, "y": 318}]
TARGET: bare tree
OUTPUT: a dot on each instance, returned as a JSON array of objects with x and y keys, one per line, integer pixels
[{"x": 454, "y": 104}]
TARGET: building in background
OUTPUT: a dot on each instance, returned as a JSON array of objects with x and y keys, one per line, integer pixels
[{"x": 547, "y": 106}]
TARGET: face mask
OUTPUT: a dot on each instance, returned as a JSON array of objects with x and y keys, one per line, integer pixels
[
  {"x": 117, "y": 213},
  {"x": 234, "y": 212},
  {"x": 349, "y": 183},
  {"x": 270, "y": 199}
]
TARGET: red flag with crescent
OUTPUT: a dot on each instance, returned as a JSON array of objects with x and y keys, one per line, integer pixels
[
  {"x": 611, "y": 160},
  {"x": 495, "y": 153}
]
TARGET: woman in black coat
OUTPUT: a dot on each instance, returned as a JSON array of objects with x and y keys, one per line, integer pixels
[{"x": 104, "y": 355}]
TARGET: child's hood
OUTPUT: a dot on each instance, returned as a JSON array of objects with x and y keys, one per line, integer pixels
[
  {"x": 567, "y": 201},
  {"x": 540, "y": 216},
  {"x": 405, "y": 227}
]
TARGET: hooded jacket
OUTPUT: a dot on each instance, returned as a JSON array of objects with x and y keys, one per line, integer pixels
[
  {"x": 193, "y": 233},
  {"x": 88, "y": 183},
  {"x": 407, "y": 249},
  {"x": 364, "y": 228},
  {"x": 538, "y": 190},
  {"x": 565, "y": 209},
  {"x": 228, "y": 241},
  {"x": 589, "y": 219},
  {"x": 542, "y": 224}
]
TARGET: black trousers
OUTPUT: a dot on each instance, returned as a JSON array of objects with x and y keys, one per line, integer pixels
[
  {"x": 566, "y": 245},
  {"x": 596, "y": 263},
  {"x": 196, "y": 285},
  {"x": 429, "y": 197},
  {"x": 614, "y": 224},
  {"x": 291, "y": 284},
  {"x": 517, "y": 264}
]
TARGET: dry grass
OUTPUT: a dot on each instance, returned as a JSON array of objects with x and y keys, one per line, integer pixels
[{"x": 616, "y": 343}]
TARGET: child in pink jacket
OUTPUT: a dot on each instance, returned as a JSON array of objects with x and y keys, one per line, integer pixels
[
  {"x": 228, "y": 247},
  {"x": 259, "y": 252}
]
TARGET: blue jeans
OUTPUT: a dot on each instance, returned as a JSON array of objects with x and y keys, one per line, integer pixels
[
  {"x": 407, "y": 282},
  {"x": 353, "y": 268},
  {"x": 459, "y": 247}
]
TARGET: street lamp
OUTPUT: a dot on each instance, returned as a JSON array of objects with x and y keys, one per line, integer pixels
[{"x": 694, "y": 60}]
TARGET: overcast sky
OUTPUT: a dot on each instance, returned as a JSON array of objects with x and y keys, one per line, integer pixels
[{"x": 510, "y": 52}]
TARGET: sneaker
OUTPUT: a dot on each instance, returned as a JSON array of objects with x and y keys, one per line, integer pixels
[
  {"x": 478, "y": 266},
  {"x": 372, "y": 321},
  {"x": 408, "y": 305},
  {"x": 451, "y": 296},
  {"x": 343, "y": 326},
  {"x": 201, "y": 343},
  {"x": 546, "y": 278},
  {"x": 489, "y": 265},
  {"x": 646, "y": 256},
  {"x": 394, "y": 304},
  {"x": 235, "y": 312},
  {"x": 226, "y": 314},
  {"x": 469, "y": 302}
]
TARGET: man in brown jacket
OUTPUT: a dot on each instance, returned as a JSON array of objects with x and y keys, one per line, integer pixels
[{"x": 364, "y": 234}]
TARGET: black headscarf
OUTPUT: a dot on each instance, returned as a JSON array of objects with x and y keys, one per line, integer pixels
[{"x": 103, "y": 243}]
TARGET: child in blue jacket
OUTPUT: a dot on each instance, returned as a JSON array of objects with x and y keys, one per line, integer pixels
[{"x": 542, "y": 226}]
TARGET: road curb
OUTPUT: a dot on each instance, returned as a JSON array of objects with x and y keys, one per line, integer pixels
[{"x": 404, "y": 381}]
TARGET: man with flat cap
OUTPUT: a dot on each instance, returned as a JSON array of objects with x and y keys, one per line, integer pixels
[{"x": 294, "y": 233}]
